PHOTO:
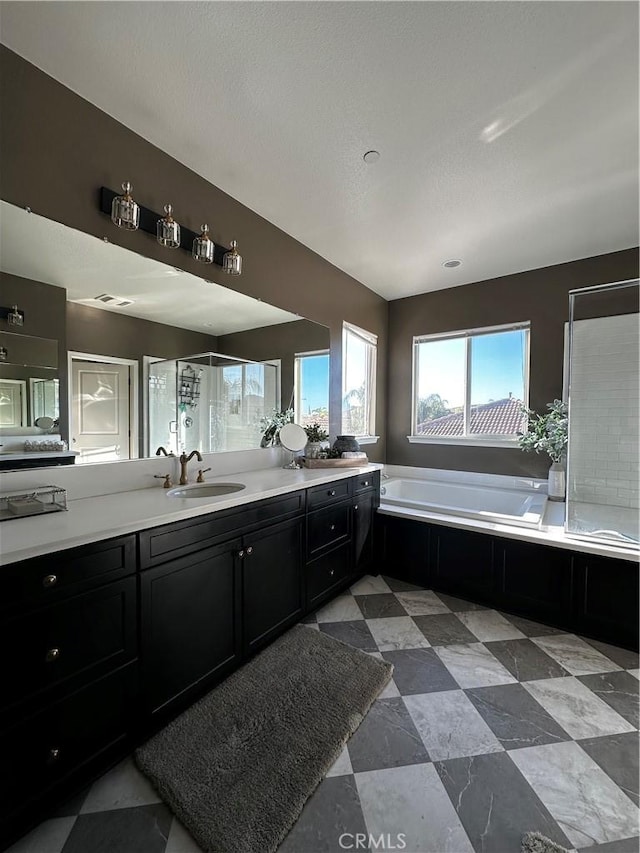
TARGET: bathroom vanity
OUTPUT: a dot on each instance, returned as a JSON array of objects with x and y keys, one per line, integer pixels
[{"x": 107, "y": 641}]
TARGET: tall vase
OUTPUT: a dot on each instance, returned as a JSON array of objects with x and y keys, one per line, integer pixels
[{"x": 557, "y": 482}]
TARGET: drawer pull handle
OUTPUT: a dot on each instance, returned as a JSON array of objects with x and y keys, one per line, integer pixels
[
  {"x": 355, "y": 506},
  {"x": 366, "y": 483},
  {"x": 52, "y": 655},
  {"x": 250, "y": 549},
  {"x": 241, "y": 554},
  {"x": 54, "y": 755},
  {"x": 49, "y": 580},
  {"x": 332, "y": 493},
  {"x": 332, "y": 527},
  {"x": 332, "y": 572}
]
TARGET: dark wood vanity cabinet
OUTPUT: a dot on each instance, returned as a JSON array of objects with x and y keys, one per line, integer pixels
[
  {"x": 111, "y": 640},
  {"x": 577, "y": 592}
]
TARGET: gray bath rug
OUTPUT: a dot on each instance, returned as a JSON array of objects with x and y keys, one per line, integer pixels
[
  {"x": 238, "y": 766},
  {"x": 535, "y": 842}
]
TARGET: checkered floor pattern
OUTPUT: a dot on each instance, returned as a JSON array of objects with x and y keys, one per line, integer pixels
[{"x": 492, "y": 726}]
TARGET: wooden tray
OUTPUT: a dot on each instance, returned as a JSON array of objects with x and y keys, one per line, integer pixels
[{"x": 336, "y": 463}]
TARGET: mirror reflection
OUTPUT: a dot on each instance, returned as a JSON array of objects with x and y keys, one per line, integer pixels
[{"x": 140, "y": 354}]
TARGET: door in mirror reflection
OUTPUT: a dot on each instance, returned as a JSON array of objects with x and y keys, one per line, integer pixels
[
  {"x": 13, "y": 403},
  {"x": 101, "y": 423}
]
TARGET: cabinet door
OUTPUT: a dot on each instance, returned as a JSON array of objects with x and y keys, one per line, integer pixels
[
  {"x": 272, "y": 575},
  {"x": 364, "y": 507},
  {"x": 606, "y": 599},
  {"x": 190, "y": 624},
  {"x": 462, "y": 563},
  {"x": 534, "y": 580},
  {"x": 406, "y": 549}
]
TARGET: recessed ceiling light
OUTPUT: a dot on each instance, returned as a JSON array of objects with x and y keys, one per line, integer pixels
[
  {"x": 452, "y": 264},
  {"x": 371, "y": 156},
  {"x": 114, "y": 301}
]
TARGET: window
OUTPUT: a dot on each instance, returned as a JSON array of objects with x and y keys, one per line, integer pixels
[
  {"x": 311, "y": 386},
  {"x": 468, "y": 387},
  {"x": 358, "y": 381}
]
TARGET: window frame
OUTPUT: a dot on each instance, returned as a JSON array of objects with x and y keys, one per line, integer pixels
[
  {"x": 371, "y": 340},
  {"x": 297, "y": 384},
  {"x": 468, "y": 439}
]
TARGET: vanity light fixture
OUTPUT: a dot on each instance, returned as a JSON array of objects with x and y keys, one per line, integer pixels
[
  {"x": 14, "y": 317},
  {"x": 203, "y": 247},
  {"x": 125, "y": 213},
  {"x": 232, "y": 261},
  {"x": 168, "y": 230},
  {"x": 4, "y": 355}
]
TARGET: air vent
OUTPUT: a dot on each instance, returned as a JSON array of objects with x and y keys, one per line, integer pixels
[{"x": 114, "y": 301}]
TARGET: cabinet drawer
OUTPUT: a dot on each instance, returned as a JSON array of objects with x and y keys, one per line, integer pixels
[
  {"x": 35, "y": 582},
  {"x": 172, "y": 541},
  {"x": 328, "y": 527},
  {"x": 328, "y": 493},
  {"x": 364, "y": 482},
  {"x": 77, "y": 636},
  {"x": 327, "y": 572},
  {"x": 44, "y": 748}
]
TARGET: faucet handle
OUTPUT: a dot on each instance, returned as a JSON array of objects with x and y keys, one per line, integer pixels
[
  {"x": 202, "y": 471},
  {"x": 167, "y": 480}
]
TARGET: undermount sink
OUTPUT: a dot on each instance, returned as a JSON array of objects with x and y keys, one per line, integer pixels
[{"x": 205, "y": 490}]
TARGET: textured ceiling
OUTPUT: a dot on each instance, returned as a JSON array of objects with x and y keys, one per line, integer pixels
[
  {"x": 508, "y": 131},
  {"x": 88, "y": 267}
]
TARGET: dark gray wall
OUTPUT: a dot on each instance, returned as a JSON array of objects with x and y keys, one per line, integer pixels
[
  {"x": 540, "y": 296},
  {"x": 57, "y": 150}
]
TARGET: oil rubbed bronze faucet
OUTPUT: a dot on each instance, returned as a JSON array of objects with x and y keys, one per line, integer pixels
[
  {"x": 162, "y": 451},
  {"x": 184, "y": 459}
]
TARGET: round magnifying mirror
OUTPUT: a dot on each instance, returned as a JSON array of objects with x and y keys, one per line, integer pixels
[
  {"x": 44, "y": 422},
  {"x": 293, "y": 438}
]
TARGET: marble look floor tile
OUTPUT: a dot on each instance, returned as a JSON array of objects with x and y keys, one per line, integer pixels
[
  {"x": 576, "y": 656},
  {"x": 387, "y": 737},
  {"x": 458, "y": 605},
  {"x": 449, "y": 725},
  {"x": 342, "y": 766},
  {"x": 530, "y": 628},
  {"x": 623, "y": 657},
  {"x": 627, "y": 845},
  {"x": 576, "y": 708},
  {"x": 70, "y": 807},
  {"x": 400, "y": 586},
  {"x": 525, "y": 660},
  {"x": 333, "y": 809},
  {"x": 342, "y": 609},
  {"x": 635, "y": 673},
  {"x": 473, "y": 665},
  {"x": 618, "y": 757},
  {"x": 145, "y": 828},
  {"x": 122, "y": 787},
  {"x": 180, "y": 841},
  {"x": 586, "y": 803},
  {"x": 353, "y": 633},
  {"x": 444, "y": 629},
  {"x": 515, "y": 717},
  {"x": 379, "y": 606},
  {"x": 411, "y": 802},
  {"x": 419, "y": 671},
  {"x": 489, "y": 625},
  {"x": 397, "y": 632},
  {"x": 49, "y": 837},
  {"x": 495, "y": 803},
  {"x": 421, "y": 602},
  {"x": 618, "y": 689},
  {"x": 369, "y": 585}
]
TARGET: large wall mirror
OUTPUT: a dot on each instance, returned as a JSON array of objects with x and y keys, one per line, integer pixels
[{"x": 127, "y": 354}]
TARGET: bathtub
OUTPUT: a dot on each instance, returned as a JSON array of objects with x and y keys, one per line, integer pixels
[{"x": 501, "y": 506}]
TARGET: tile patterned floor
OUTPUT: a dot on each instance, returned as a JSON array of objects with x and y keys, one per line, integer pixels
[{"x": 492, "y": 725}]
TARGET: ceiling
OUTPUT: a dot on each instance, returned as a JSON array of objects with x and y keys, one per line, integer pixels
[
  {"x": 88, "y": 267},
  {"x": 508, "y": 131}
]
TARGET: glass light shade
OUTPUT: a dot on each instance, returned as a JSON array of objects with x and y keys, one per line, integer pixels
[
  {"x": 3, "y": 354},
  {"x": 203, "y": 247},
  {"x": 168, "y": 230},
  {"x": 125, "y": 213},
  {"x": 232, "y": 261}
]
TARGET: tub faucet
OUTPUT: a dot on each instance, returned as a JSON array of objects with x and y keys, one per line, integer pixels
[
  {"x": 184, "y": 459},
  {"x": 162, "y": 451}
]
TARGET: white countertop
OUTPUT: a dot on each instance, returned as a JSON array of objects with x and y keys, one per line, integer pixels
[
  {"x": 551, "y": 532},
  {"x": 13, "y": 455},
  {"x": 93, "y": 519}
]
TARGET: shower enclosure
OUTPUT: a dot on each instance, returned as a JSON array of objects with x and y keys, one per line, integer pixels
[
  {"x": 210, "y": 402},
  {"x": 603, "y": 383}
]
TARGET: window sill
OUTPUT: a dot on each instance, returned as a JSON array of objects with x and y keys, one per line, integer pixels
[
  {"x": 491, "y": 441},
  {"x": 367, "y": 439}
]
